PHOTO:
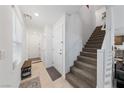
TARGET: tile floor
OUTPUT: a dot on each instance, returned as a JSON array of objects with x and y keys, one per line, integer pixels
[{"x": 39, "y": 69}]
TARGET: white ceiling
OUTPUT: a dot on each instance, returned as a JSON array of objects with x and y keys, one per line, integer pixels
[
  {"x": 48, "y": 14},
  {"x": 97, "y": 7}
]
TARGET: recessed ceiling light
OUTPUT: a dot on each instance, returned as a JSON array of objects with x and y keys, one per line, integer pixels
[{"x": 36, "y": 14}]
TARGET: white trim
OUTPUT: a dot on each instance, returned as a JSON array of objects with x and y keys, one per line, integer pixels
[
  {"x": 18, "y": 13},
  {"x": 100, "y": 68}
]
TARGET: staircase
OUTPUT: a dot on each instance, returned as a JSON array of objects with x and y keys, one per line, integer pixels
[{"x": 83, "y": 73}]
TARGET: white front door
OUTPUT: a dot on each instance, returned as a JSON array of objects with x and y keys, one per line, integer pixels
[
  {"x": 58, "y": 46},
  {"x": 34, "y": 45}
]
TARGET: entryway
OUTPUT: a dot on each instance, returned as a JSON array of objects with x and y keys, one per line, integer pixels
[{"x": 39, "y": 72}]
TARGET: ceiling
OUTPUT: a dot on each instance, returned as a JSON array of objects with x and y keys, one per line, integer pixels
[
  {"x": 48, "y": 14},
  {"x": 97, "y": 7}
]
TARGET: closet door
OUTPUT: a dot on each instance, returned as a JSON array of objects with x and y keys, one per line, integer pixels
[{"x": 58, "y": 44}]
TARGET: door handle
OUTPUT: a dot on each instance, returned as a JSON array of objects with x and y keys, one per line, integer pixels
[
  {"x": 62, "y": 42},
  {"x": 60, "y": 53}
]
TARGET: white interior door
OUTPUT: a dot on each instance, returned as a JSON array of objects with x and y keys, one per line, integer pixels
[
  {"x": 58, "y": 46},
  {"x": 34, "y": 45}
]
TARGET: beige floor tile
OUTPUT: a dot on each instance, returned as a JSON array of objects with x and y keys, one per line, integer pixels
[{"x": 39, "y": 69}]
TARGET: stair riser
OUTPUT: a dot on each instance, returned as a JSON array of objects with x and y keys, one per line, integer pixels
[
  {"x": 91, "y": 82},
  {"x": 98, "y": 31},
  {"x": 93, "y": 46},
  {"x": 93, "y": 42},
  {"x": 71, "y": 82},
  {"x": 86, "y": 60},
  {"x": 78, "y": 83},
  {"x": 85, "y": 68},
  {"x": 94, "y": 39},
  {"x": 97, "y": 36},
  {"x": 75, "y": 85},
  {"x": 97, "y": 40},
  {"x": 88, "y": 55},
  {"x": 90, "y": 50}
]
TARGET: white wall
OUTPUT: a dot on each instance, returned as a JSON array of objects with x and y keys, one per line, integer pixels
[
  {"x": 79, "y": 28},
  {"x": 74, "y": 39},
  {"x": 6, "y": 28},
  {"x": 45, "y": 43},
  {"x": 18, "y": 48},
  {"x": 118, "y": 21},
  {"x": 9, "y": 73},
  {"x": 46, "y": 49},
  {"x": 98, "y": 14},
  {"x": 34, "y": 36},
  {"x": 23, "y": 32},
  {"x": 118, "y": 16},
  {"x": 88, "y": 21}
]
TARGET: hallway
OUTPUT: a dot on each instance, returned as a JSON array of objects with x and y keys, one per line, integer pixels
[
  {"x": 68, "y": 38},
  {"x": 39, "y": 70}
]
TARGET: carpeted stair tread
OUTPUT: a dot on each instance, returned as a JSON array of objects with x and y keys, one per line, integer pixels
[
  {"x": 97, "y": 35},
  {"x": 76, "y": 82},
  {"x": 89, "y": 58},
  {"x": 83, "y": 65},
  {"x": 93, "y": 50},
  {"x": 93, "y": 46},
  {"x": 88, "y": 54},
  {"x": 84, "y": 75},
  {"x": 97, "y": 38},
  {"x": 95, "y": 42}
]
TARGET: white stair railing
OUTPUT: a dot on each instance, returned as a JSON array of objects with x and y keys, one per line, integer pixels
[
  {"x": 100, "y": 68},
  {"x": 104, "y": 57},
  {"x": 104, "y": 64}
]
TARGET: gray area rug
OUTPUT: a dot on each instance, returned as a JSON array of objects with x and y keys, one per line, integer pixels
[
  {"x": 33, "y": 83},
  {"x": 54, "y": 74}
]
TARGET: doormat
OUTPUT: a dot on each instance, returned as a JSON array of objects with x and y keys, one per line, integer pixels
[
  {"x": 32, "y": 83},
  {"x": 53, "y": 73}
]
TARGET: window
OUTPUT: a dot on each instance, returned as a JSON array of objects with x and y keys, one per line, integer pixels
[{"x": 17, "y": 41}]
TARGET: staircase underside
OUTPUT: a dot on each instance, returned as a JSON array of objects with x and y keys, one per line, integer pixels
[{"x": 84, "y": 71}]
